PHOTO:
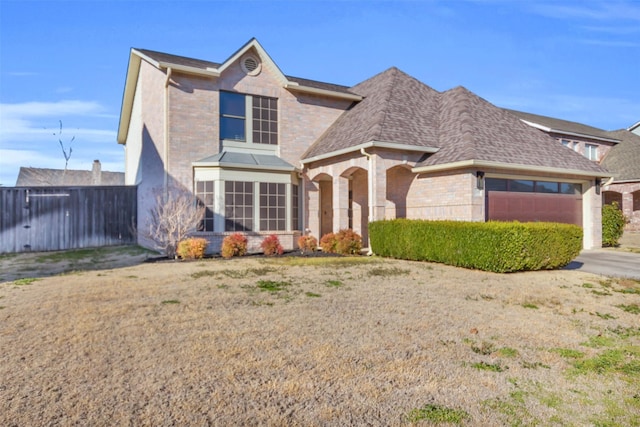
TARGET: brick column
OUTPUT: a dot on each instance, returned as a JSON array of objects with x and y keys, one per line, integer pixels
[
  {"x": 340, "y": 203},
  {"x": 378, "y": 181},
  {"x": 311, "y": 212}
]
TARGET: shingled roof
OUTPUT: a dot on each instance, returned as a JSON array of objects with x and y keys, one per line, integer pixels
[
  {"x": 566, "y": 127},
  {"x": 208, "y": 65},
  {"x": 457, "y": 125},
  {"x": 623, "y": 159},
  {"x": 42, "y": 177}
]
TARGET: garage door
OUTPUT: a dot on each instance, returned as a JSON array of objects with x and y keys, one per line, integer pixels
[{"x": 531, "y": 201}]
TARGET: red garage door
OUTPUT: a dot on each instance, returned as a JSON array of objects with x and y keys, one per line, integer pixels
[{"x": 527, "y": 201}]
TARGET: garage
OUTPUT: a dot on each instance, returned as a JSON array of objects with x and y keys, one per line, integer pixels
[{"x": 533, "y": 201}]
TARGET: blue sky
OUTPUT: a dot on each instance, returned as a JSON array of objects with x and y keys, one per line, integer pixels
[{"x": 67, "y": 60}]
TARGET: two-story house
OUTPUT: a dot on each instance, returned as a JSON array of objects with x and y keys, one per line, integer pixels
[{"x": 269, "y": 153}]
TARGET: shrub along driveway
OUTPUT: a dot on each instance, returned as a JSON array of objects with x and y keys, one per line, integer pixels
[{"x": 321, "y": 341}]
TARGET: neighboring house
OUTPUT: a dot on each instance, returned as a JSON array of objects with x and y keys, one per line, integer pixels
[
  {"x": 41, "y": 177},
  {"x": 617, "y": 151},
  {"x": 270, "y": 153},
  {"x": 624, "y": 161}
]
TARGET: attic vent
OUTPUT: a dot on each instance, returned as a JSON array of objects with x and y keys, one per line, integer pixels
[{"x": 250, "y": 65}]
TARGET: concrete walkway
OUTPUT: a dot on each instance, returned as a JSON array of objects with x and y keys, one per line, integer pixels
[{"x": 608, "y": 262}]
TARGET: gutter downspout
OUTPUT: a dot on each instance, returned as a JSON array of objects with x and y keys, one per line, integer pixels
[
  {"x": 303, "y": 226},
  {"x": 166, "y": 131},
  {"x": 369, "y": 195}
]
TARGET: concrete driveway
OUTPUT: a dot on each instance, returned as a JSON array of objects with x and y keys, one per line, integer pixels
[{"x": 608, "y": 262}]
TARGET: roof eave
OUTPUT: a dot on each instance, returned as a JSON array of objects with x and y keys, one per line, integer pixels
[
  {"x": 296, "y": 87},
  {"x": 225, "y": 165},
  {"x": 131, "y": 82},
  {"x": 564, "y": 132},
  {"x": 511, "y": 166},
  {"x": 370, "y": 144}
]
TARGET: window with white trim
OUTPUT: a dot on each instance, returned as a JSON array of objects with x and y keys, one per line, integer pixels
[
  {"x": 273, "y": 206},
  {"x": 251, "y": 119},
  {"x": 204, "y": 193},
  {"x": 591, "y": 152},
  {"x": 238, "y": 212}
]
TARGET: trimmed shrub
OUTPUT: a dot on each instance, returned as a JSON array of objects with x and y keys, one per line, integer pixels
[
  {"x": 344, "y": 242},
  {"x": 500, "y": 247},
  {"x": 307, "y": 243},
  {"x": 234, "y": 245},
  {"x": 328, "y": 243},
  {"x": 192, "y": 248},
  {"x": 348, "y": 242},
  {"x": 613, "y": 221},
  {"x": 271, "y": 245}
]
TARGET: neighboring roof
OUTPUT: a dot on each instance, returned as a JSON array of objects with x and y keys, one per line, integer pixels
[
  {"x": 245, "y": 160},
  {"x": 624, "y": 158},
  {"x": 40, "y": 177},
  {"x": 635, "y": 128},
  {"x": 213, "y": 69},
  {"x": 550, "y": 124},
  {"x": 461, "y": 128}
]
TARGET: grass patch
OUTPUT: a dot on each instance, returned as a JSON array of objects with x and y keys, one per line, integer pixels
[
  {"x": 330, "y": 262},
  {"x": 630, "y": 308},
  {"x": 601, "y": 293},
  {"x": 438, "y": 414},
  {"x": 492, "y": 367},
  {"x": 25, "y": 281},
  {"x": 568, "y": 353},
  {"x": 598, "y": 341},
  {"x": 171, "y": 301},
  {"x": 507, "y": 352},
  {"x": 588, "y": 285},
  {"x": 624, "y": 360},
  {"x": 272, "y": 285},
  {"x": 530, "y": 305},
  {"x": 534, "y": 365},
  {"x": 387, "y": 272},
  {"x": 334, "y": 283},
  {"x": 204, "y": 273},
  {"x": 605, "y": 316},
  {"x": 312, "y": 295},
  {"x": 624, "y": 333}
]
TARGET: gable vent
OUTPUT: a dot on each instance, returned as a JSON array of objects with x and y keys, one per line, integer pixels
[{"x": 250, "y": 65}]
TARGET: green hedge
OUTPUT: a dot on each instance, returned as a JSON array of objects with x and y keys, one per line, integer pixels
[
  {"x": 613, "y": 221},
  {"x": 500, "y": 247}
]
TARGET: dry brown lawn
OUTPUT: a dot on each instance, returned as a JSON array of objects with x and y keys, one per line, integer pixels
[{"x": 318, "y": 342}]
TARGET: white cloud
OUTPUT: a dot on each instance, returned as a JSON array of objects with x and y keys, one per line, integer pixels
[{"x": 51, "y": 109}]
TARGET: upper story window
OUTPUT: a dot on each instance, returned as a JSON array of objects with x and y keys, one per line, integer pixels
[
  {"x": 232, "y": 116},
  {"x": 248, "y": 118},
  {"x": 591, "y": 152},
  {"x": 566, "y": 143}
]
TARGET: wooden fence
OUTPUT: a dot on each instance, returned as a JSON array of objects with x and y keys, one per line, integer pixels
[{"x": 60, "y": 218}]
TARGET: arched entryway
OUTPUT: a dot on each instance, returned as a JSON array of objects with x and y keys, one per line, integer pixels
[{"x": 325, "y": 188}]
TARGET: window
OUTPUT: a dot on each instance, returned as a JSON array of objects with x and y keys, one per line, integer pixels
[
  {"x": 591, "y": 152},
  {"x": 259, "y": 125},
  {"x": 295, "y": 212},
  {"x": 204, "y": 193},
  {"x": 526, "y": 186},
  {"x": 232, "y": 116},
  {"x": 238, "y": 205},
  {"x": 273, "y": 206},
  {"x": 566, "y": 143},
  {"x": 265, "y": 120},
  {"x": 546, "y": 187}
]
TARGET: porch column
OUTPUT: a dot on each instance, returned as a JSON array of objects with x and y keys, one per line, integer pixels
[
  {"x": 311, "y": 213},
  {"x": 591, "y": 216},
  {"x": 340, "y": 203},
  {"x": 378, "y": 187}
]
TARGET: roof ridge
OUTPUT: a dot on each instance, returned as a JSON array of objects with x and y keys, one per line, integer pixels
[{"x": 385, "y": 110}]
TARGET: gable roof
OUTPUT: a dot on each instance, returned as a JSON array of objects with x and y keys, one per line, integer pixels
[
  {"x": 624, "y": 158},
  {"x": 210, "y": 69},
  {"x": 458, "y": 127},
  {"x": 246, "y": 161},
  {"x": 550, "y": 124},
  {"x": 42, "y": 177}
]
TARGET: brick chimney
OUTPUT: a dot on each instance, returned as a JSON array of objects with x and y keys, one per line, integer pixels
[{"x": 96, "y": 173}]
